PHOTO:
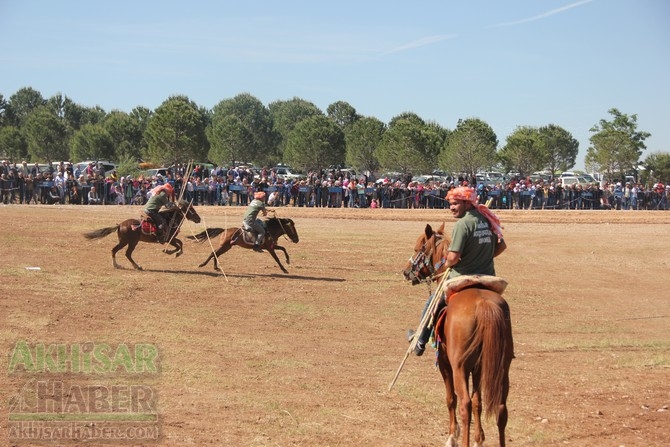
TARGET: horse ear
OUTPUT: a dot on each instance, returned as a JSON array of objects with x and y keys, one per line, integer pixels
[
  {"x": 441, "y": 229},
  {"x": 428, "y": 231}
]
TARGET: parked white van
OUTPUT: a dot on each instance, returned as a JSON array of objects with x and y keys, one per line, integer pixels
[{"x": 569, "y": 180}]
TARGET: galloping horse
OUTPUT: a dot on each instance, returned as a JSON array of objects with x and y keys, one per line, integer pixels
[
  {"x": 475, "y": 340},
  {"x": 130, "y": 232},
  {"x": 276, "y": 227}
]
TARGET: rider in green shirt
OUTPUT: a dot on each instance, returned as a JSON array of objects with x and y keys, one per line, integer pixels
[
  {"x": 161, "y": 196},
  {"x": 251, "y": 221},
  {"x": 475, "y": 240}
]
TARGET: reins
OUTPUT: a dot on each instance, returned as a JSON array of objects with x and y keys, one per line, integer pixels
[
  {"x": 281, "y": 225},
  {"x": 184, "y": 217},
  {"x": 425, "y": 259}
]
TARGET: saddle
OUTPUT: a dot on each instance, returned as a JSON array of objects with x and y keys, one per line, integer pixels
[
  {"x": 147, "y": 225},
  {"x": 459, "y": 283},
  {"x": 454, "y": 285},
  {"x": 248, "y": 235}
]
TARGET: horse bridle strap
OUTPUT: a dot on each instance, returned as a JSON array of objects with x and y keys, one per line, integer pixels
[
  {"x": 281, "y": 225},
  {"x": 442, "y": 261},
  {"x": 425, "y": 258}
]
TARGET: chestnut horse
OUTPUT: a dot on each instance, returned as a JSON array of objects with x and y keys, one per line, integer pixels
[
  {"x": 276, "y": 227},
  {"x": 475, "y": 340},
  {"x": 130, "y": 232}
]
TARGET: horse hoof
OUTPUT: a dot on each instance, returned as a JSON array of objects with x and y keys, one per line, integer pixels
[{"x": 179, "y": 254}]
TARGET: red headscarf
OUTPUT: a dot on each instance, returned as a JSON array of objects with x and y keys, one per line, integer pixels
[
  {"x": 166, "y": 187},
  {"x": 470, "y": 195}
]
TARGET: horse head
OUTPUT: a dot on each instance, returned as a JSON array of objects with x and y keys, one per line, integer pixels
[
  {"x": 288, "y": 228},
  {"x": 428, "y": 256},
  {"x": 189, "y": 211}
]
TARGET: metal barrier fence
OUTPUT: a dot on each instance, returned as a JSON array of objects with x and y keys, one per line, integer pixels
[{"x": 222, "y": 194}]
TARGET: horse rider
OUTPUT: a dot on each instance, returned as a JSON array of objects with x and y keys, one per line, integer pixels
[
  {"x": 161, "y": 195},
  {"x": 475, "y": 240},
  {"x": 251, "y": 221}
]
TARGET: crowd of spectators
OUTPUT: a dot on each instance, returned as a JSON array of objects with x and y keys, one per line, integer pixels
[{"x": 234, "y": 186}]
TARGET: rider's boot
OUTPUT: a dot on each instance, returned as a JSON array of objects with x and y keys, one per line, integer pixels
[
  {"x": 160, "y": 233},
  {"x": 257, "y": 245},
  {"x": 421, "y": 342}
]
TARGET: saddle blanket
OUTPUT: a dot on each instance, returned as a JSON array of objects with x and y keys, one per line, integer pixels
[
  {"x": 459, "y": 283},
  {"x": 146, "y": 226},
  {"x": 248, "y": 236}
]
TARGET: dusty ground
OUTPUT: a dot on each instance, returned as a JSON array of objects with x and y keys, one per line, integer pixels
[{"x": 259, "y": 358}]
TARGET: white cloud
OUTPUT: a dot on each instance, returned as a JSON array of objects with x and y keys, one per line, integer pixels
[
  {"x": 422, "y": 42},
  {"x": 543, "y": 15}
]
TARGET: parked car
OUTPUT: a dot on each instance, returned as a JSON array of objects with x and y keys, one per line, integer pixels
[
  {"x": 569, "y": 180},
  {"x": 427, "y": 178},
  {"x": 287, "y": 173},
  {"x": 108, "y": 165},
  {"x": 494, "y": 177},
  {"x": 589, "y": 178},
  {"x": 149, "y": 173}
]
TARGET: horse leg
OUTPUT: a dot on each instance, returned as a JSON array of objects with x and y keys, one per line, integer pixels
[
  {"x": 447, "y": 377},
  {"x": 129, "y": 252},
  {"x": 463, "y": 393},
  {"x": 224, "y": 247},
  {"x": 116, "y": 248},
  {"x": 172, "y": 243},
  {"x": 502, "y": 409},
  {"x": 274, "y": 255},
  {"x": 179, "y": 247},
  {"x": 211, "y": 255},
  {"x": 279, "y": 247},
  {"x": 477, "y": 408}
]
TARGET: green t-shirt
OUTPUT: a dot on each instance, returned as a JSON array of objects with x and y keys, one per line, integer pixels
[
  {"x": 255, "y": 207},
  {"x": 156, "y": 202},
  {"x": 473, "y": 238}
]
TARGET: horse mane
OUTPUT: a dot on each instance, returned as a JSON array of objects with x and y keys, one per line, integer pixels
[{"x": 277, "y": 221}]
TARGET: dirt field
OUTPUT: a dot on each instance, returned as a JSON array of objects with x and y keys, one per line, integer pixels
[{"x": 255, "y": 357}]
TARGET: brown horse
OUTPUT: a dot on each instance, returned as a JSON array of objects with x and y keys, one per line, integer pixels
[
  {"x": 475, "y": 340},
  {"x": 276, "y": 227},
  {"x": 130, "y": 232}
]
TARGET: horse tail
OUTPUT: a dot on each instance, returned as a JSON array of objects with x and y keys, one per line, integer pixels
[
  {"x": 102, "y": 232},
  {"x": 208, "y": 233},
  {"x": 497, "y": 350}
]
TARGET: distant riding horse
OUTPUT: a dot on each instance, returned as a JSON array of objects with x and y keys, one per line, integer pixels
[
  {"x": 132, "y": 231},
  {"x": 276, "y": 227},
  {"x": 475, "y": 340}
]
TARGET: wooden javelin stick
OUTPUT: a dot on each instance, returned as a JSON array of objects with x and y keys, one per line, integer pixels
[
  {"x": 426, "y": 321},
  {"x": 179, "y": 226},
  {"x": 214, "y": 251},
  {"x": 181, "y": 194}
]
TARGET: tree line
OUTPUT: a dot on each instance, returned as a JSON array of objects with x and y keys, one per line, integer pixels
[{"x": 298, "y": 133}]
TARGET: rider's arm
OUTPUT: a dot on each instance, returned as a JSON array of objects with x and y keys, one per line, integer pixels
[
  {"x": 500, "y": 247},
  {"x": 452, "y": 258}
]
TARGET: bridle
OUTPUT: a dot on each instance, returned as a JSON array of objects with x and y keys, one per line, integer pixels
[
  {"x": 283, "y": 228},
  {"x": 423, "y": 259}
]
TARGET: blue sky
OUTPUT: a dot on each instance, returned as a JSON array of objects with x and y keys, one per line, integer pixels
[{"x": 507, "y": 62}]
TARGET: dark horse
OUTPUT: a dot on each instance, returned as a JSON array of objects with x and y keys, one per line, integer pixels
[
  {"x": 276, "y": 227},
  {"x": 475, "y": 340},
  {"x": 130, "y": 232}
]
